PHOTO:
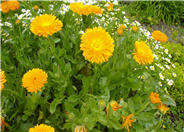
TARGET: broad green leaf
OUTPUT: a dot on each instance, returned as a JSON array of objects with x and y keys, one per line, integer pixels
[{"x": 54, "y": 104}]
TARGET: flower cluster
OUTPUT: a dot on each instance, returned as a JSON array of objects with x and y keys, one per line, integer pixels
[
  {"x": 7, "y": 6},
  {"x": 127, "y": 121},
  {"x": 143, "y": 54},
  {"x": 34, "y": 80},
  {"x": 82, "y": 9},
  {"x": 159, "y": 36},
  {"x": 45, "y": 25},
  {"x": 97, "y": 45}
]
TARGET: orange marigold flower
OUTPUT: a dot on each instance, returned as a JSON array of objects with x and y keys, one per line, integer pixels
[
  {"x": 82, "y": 9},
  {"x": 36, "y": 7},
  {"x": 34, "y": 80},
  {"x": 95, "y": 9},
  {"x": 159, "y": 36},
  {"x": 143, "y": 54},
  {"x": 42, "y": 128},
  {"x": 110, "y": 7},
  {"x": 114, "y": 105},
  {"x": 13, "y": 5},
  {"x": 127, "y": 121},
  {"x": 80, "y": 129},
  {"x": 135, "y": 28},
  {"x": 97, "y": 45},
  {"x": 122, "y": 26},
  {"x": 4, "y": 7},
  {"x": 2, "y": 79},
  {"x": 3, "y": 123},
  {"x": 45, "y": 25},
  {"x": 120, "y": 31},
  {"x": 154, "y": 97},
  {"x": 163, "y": 108}
]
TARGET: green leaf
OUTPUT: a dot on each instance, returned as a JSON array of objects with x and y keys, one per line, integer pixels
[
  {"x": 131, "y": 105},
  {"x": 115, "y": 124},
  {"x": 145, "y": 116},
  {"x": 168, "y": 100},
  {"x": 54, "y": 104}
]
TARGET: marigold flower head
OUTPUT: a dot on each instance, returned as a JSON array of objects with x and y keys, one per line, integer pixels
[
  {"x": 45, "y": 25},
  {"x": 82, "y": 9},
  {"x": 80, "y": 129},
  {"x": 159, "y": 36},
  {"x": 17, "y": 21},
  {"x": 120, "y": 31},
  {"x": 135, "y": 28},
  {"x": 42, "y": 128},
  {"x": 110, "y": 7},
  {"x": 2, "y": 79},
  {"x": 163, "y": 108},
  {"x": 34, "y": 80},
  {"x": 36, "y": 7},
  {"x": 127, "y": 121},
  {"x": 97, "y": 45},
  {"x": 154, "y": 97},
  {"x": 4, "y": 7},
  {"x": 95, "y": 9},
  {"x": 143, "y": 54},
  {"x": 122, "y": 26},
  {"x": 114, "y": 105},
  {"x": 13, "y": 5}
]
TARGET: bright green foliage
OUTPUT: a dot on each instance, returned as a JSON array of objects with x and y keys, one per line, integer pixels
[{"x": 177, "y": 91}]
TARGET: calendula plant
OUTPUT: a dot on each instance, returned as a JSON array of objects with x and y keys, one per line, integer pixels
[{"x": 68, "y": 68}]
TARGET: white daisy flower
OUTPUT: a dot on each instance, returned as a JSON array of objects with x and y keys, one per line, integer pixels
[{"x": 161, "y": 76}]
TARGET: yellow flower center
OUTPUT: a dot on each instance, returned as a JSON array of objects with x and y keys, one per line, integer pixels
[
  {"x": 97, "y": 44},
  {"x": 46, "y": 24}
]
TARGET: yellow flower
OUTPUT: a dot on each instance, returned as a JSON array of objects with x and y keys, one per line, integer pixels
[
  {"x": 17, "y": 21},
  {"x": 163, "y": 108},
  {"x": 36, "y": 7},
  {"x": 127, "y": 121},
  {"x": 120, "y": 31},
  {"x": 154, "y": 97},
  {"x": 34, "y": 80},
  {"x": 42, "y": 128},
  {"x": 82, "y": 9},
  {"x": 110, "y": 7},
  {"x": 143, "y": 54},
  {"x": 45, "y": 25},
  {"x": 3, "y": 80},
  {"x": 97, "y": 45},
  {"x": 13, "y": 5},
  {"x": 159, "y": 36},
  {"x": 135, "y": 28},
  {"x": 80, "y": 129},
  {"x": 4, "y": 7}
]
